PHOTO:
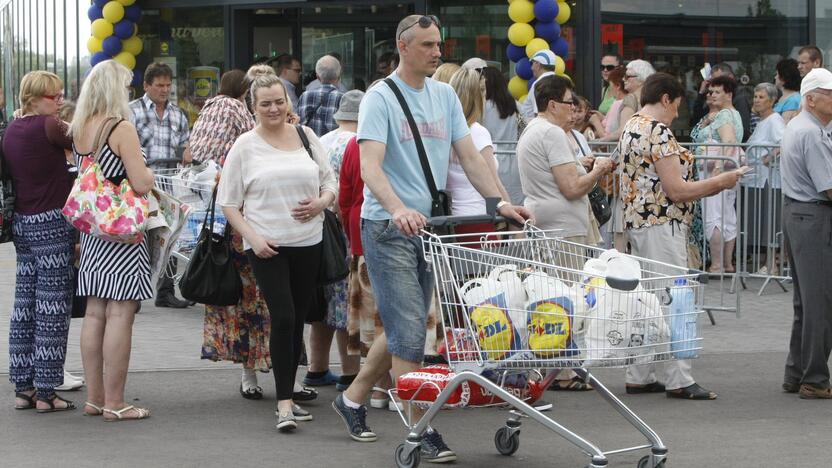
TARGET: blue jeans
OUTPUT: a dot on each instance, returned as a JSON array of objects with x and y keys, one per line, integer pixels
[{"x": 402, "y": 284}]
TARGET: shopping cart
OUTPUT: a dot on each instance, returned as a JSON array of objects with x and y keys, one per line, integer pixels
[
  {"x": 556, "y": 305},
  {"x": 193, "y": 185}
]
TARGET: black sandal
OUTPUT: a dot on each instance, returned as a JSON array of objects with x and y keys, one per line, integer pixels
[
  {"x": 29, "y": 399},
  {"x": 255, "y": 393},
  {"x": 306, "y": 394},
  {"x": 576, "y": 384},
  {"x": 654, "y": 387},
  {"x": 51, "y": 402},
  {"x": 692, "y": 392}
]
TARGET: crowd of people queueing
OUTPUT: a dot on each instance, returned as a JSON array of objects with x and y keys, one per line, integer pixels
[{"x": 361, "y": 161}]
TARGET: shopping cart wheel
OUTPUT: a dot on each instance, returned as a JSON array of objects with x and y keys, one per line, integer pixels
[
  {"x": 407, "y": 460},
  {"x": 506, "y": 441},
  {"x": 645, "y": 460}
]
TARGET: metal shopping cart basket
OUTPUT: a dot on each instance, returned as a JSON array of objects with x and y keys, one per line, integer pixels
[
  {"x": 552, "y": 305},
  {"x": 186, "y": 185}
]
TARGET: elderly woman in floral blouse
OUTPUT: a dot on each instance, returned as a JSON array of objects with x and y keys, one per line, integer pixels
[{"x": 658, "y": 194}]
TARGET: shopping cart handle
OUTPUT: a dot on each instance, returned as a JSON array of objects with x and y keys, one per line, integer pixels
[
  {"x": 164, "y": 163},
  {"x": 701, "y": 276},
  {"x": 450, "y": 221}
]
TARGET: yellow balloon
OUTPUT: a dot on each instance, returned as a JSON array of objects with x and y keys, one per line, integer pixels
[
  {"x": 563, "y": 13},
  {"x": 113, "y": 12},
  {"x": 133, "y": 45},
  {"x": 560, "y": 66},
  {"x": 523, "y": 97},
  {"x": 101, "y": 28},
  {"x": 521, "y": 11},
  {"x": 126, "y": 2},
  {"x": 126, "y": 58},
  {"x": 536, "y": 45},
  {"x": 520, "y": 34},
  {"x": 94, "y": 44},
  {"x": 518, "y": 87}
]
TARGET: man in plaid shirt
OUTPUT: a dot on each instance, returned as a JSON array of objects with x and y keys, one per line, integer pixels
[
  {"x": 316, "y": 107},
  {"x": 163, "y": 132}
]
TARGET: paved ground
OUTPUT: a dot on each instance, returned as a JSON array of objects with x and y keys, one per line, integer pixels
[{"x": 200, "y": 420}]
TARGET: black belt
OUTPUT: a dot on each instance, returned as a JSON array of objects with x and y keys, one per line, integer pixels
[{"x": 813, "y": 202}]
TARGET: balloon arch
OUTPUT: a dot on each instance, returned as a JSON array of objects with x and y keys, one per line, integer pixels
[
  {"x": 536, "y": 27},
  {"x": 114, "y": 33}
]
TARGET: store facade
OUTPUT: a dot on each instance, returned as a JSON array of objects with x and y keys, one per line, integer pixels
[{"x": 207, "y": 37}]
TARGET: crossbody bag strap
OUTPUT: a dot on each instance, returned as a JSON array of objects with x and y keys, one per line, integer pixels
[
  {"x": 417, "y": 138},
  {"x": 305, "y": 140}
]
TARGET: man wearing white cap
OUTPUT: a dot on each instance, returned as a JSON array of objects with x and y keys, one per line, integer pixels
[
  {"x": 806, "y": 168},
  {"x": 543, "y": 64}
]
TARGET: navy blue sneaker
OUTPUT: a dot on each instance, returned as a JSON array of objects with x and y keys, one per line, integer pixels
[
  {"x": 355, "y": 419},
  {"x": 434, "y": 449}
]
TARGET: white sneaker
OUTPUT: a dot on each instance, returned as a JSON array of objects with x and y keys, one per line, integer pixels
[
  {"x": 379, "y": 403},
  {"x": 395, "y": 406},
  {"x": 71, "y": 383}
]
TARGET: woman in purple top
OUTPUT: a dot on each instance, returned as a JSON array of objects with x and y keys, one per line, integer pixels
[{"x": 33, "y": 148}]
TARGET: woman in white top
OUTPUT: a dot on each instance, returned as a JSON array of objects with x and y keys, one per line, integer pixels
[
  {"x": 465, "y": 198},
  {"x": 502, "y": 119},
  {"x": 763, "y": 154},
  {"x": 273, "y": 192}
]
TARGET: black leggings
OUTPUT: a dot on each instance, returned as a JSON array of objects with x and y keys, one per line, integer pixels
[{"x": 288, "y": 282}]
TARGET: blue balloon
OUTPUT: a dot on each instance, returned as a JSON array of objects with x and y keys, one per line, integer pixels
[
  {"x": 137, "y": 79},
  {"x": 123, "y": 29},
  {"x": 531, "y": 82},
  {"x": 524, "y": 69},
  {"x": 94, "y": 12},
  {"x": 515, "y": 53},
  {"x": 550, "y": 31},
  {"x": 98, "y": 57},
  {"x": 546, "y": 10},
  {"x": 560, "y": 48},
  {"x": 133, "y": 13},
  {"x": 111, "y": 46},
  {"x": 101, "y": 3}
]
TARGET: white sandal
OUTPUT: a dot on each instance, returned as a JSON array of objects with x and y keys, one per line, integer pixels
[
  {"x": 98, "y": 410},
  {"x": 141, "y": 413}
]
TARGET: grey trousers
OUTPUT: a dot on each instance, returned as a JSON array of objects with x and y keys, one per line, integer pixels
[{"x": 808, "y": 233}]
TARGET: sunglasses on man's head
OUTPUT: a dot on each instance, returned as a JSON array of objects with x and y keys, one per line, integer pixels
[
  {"x": 608, "y": 67},
  {"x": 424, "y": 22}
]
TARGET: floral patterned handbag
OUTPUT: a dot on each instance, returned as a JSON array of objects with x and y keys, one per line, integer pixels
[{"x": 100, "y": 208}]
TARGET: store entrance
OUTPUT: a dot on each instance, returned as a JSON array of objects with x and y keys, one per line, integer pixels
[{"x": 357, "y": 34}]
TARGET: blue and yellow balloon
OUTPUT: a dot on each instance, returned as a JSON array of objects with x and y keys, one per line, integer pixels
[{"x": 114, "y": 32}]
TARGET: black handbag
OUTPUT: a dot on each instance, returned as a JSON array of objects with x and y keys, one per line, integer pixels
[
  {"x": 440, "y": 204},
  {"x": 211, "y": 277},
  {"x": 6, "y": 197},
  {"x": 598, "y": 200},
  {"x": 334, "y": 266}
]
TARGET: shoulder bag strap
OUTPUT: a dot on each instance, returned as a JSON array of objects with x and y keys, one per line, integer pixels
[
  {"x": 305, "y": 140},
  {"x": 104, "y": 131},
  {"x": 417, "y": 138},
  {"x": 317, "y": 108}
]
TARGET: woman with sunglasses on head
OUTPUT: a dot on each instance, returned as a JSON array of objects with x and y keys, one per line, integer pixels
[
  {"x": 34, "y": 158},
  {"x": 636, "y": 72},
  {"x": 612, "y": 119}
]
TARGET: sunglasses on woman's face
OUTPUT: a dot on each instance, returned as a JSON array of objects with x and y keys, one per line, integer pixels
[
  {"x": 424, "y": 22},
  {"x": 608, "y": 67}
]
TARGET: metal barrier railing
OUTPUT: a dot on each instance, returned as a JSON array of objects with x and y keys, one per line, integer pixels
[{"x": 752, "y": 209}]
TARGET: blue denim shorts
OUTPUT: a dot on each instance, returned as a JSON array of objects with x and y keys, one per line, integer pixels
[{"x": 402, "y": 284}]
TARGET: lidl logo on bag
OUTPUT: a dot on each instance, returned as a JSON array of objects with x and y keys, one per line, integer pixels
[
  {"x": 495, "y": 332},
  {"x": 550, "y": 327}
]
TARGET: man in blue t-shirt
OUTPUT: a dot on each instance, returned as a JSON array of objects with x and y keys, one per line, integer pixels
[{"x": 397, "y": 203}]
